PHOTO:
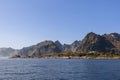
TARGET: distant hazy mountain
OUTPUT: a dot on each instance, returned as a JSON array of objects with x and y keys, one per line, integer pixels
[
  {"x": 27, "y": 51},
  {"x": 5, "y": 52}
]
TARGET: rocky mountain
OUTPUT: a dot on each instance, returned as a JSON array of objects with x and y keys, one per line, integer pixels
[
  {"x": 114, "y": 38},
  {"x": 95, "y": 43},
  {"x": 75, "y": 45},
  {"x": 59, "y": 45},
  {"x": 72, "y": 47},
  {"x": 6, "y": 52},
  {"x": 66, "y": 47},
  {"x": 42, "y": 48},
  {"x": 46, "y": 47}
]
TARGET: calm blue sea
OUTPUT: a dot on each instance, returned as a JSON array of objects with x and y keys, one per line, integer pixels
[{"x": 59, "y": 69}]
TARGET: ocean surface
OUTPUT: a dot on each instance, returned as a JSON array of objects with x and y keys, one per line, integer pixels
[{"x": 59, "y": 69}]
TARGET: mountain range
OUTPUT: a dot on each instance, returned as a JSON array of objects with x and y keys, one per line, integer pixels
[{"x": 106, "y": 43}]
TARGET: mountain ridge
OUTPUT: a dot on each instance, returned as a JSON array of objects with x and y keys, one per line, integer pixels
[{"x": 91, "y": 43}]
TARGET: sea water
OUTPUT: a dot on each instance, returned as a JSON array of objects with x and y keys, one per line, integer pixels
[{"x": 59, "y": 69}]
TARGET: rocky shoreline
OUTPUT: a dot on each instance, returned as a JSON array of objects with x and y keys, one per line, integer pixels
[
  {"x": 82, "y": 57},
  {"x": 72, "y": 57}
]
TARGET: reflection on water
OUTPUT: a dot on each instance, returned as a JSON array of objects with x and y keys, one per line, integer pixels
[{"x": 59, "y": 69}]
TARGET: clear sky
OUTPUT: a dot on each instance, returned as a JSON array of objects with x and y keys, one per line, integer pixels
[{"x": 28, "y": 22}]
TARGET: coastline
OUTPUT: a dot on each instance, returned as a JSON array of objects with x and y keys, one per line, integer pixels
[
  {"x": 70, "y": 55},
  {"x": 81, "y": 57}
]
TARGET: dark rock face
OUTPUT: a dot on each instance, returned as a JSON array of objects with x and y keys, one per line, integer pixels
[
  {"x": 95, "y": 43},
  {"x": 114, "y": 38},
  {"x": 59, "y": 45}
]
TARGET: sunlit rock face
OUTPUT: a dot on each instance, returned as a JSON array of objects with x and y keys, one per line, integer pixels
[
  {"x": 46, "y": 47},
  {"x": 42, "y": 48}
]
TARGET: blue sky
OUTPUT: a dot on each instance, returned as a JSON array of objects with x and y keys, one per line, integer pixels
[{"x": 28, "y": 22}]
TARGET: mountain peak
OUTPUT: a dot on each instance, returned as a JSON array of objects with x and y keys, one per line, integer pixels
[
  {"x": 46, "y": 42},
  {"x": 91, "y": 33},
  {"x": 115, "y": 35},
  {"x": 57, "y": 41},
  {"x": 94, "y": 42},
  {"x": 112, "y": 36},
  {"x": 59, "y": 45}
]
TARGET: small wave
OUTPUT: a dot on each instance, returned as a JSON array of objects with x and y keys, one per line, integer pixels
[
  {"x": 20, "y": 73},
  {"x": 4, "y": 57}
]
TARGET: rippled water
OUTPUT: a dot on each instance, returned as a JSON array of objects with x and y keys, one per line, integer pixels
[{"x": 59, "y": 69}]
